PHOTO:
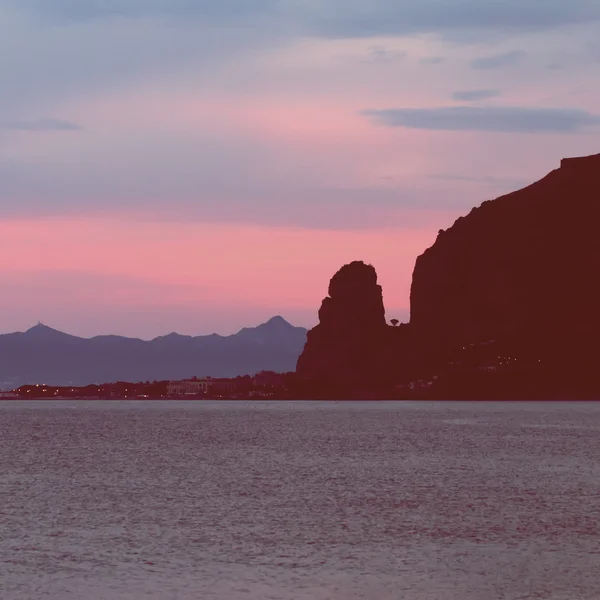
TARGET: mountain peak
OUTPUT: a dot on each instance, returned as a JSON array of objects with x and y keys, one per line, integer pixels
[
  {"x": 274, "y": 324},
  {"x": 275, "y": 329},
  {"x": 43, "y": 332},
  {"x": 40, "y": 328},
  {"x": 277, "y": 321}
]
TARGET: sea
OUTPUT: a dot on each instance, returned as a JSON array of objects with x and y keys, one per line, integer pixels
[{"x": 103, "y": 500}]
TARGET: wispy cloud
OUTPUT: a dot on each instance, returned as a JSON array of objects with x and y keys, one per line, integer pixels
[
  {"x": 223, "y": 10},
  {"x": 513, "y": 119},
  {"x": 42, "y": 193},
  {"x": 341, "y": 18},
  {"x": 43, "y": 125},
  {"x": 432, "y": 60},
  {"x": 495, "y": 182},
  {"x": 474, "y": 95},
  {"x": 384, "y": 54},
  {"x": 338, "y": 18},
  {"x": 499, "y": 61}
]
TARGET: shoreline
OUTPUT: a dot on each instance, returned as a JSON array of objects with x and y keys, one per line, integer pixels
[{"x": 420, "y": 400}]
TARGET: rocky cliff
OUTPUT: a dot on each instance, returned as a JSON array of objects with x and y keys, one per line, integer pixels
[
  {"x": 349, "y": 346},
  {"x": 522, "y": 268},
  {"x": 519, "y": 273}
]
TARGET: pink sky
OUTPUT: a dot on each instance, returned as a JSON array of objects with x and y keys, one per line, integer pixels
[
  {"x": 203, "y": 177},
  {"x": 151, "y": 278}
]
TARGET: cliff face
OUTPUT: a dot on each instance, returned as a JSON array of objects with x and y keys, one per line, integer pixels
[
  {"x": 521, "y": 271},
  {"x": 347, "y": 344},
  {"x": 521, "y": 268}
]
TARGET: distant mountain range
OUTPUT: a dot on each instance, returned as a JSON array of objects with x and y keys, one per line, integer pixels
[{"x": 44, "y": 355}]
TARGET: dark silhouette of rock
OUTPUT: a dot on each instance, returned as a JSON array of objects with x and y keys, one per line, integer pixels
[
  {"x": 354, "y": 296},
  {"x": 44, "y": 355},
  {"x": 521, "y": 269},
  {"x": 506, "y": 303},
  {"x": 347, "y": 346}
]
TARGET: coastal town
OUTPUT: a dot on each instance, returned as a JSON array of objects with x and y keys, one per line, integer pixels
[{"x": 263, "y": 385}]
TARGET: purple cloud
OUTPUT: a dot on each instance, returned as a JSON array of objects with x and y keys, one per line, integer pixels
[{"x": 500, "y": 119}]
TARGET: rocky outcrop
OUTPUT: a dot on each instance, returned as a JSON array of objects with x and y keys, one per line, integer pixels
[
  {"x": 354, "y": 298},
  {"x": 518, "y": 276},
  {"x": 351, "y": 339},
  {"x": 522, "y": 269}
]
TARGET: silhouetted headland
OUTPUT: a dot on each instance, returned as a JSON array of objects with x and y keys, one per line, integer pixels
[{"x": 504, "y": 305}]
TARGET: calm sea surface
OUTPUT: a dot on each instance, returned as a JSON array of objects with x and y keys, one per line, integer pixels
[{"x": 299, "y": 501}]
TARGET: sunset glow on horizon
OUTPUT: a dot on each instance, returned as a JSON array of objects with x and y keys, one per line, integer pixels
[{"x": 160, "y": 277}]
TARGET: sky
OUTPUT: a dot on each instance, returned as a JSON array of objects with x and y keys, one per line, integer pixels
[{"x": 200, "y": 166}]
